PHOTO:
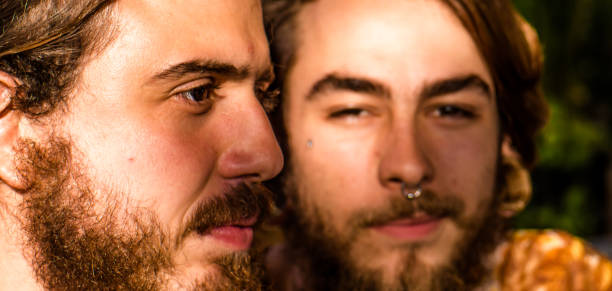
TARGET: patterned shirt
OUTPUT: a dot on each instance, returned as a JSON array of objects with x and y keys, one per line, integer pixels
[{"x": 549, "y": 260}]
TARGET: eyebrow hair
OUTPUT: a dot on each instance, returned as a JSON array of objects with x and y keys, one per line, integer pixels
[
  {"x": 361, "y": 85},
  {"x": 226, "y": 70},
  {"x": 357, "y": 85},
  {"x": 453, "y": 85}
]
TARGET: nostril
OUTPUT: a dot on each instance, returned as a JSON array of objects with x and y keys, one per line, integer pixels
[
  {"x": 396, "y": 180},
  {"x": 249, "y": 178}
]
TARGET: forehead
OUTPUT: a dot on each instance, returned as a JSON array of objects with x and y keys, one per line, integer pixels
[
  {"x": 395, "y": 40},
  {"x": 168, "y": 32}
]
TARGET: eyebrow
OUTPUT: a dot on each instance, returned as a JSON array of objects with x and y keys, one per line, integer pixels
[
  {"x": 357, "y": 85},
  {"x": 226, "y": 70},
  {"x": 366, "y": 86},
  {"x": 453, "y": 85}
]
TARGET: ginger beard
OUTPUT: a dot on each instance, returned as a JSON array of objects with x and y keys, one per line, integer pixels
[
  {"x": 330, "y": 256},
  {"x": 71, "y": 246}
]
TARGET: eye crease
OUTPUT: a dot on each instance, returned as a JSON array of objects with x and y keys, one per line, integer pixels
[
  {"x": 453, "y": 111},
  {"x": 348, "y": 112},
  {"x": 199, "y": 96},
  {"x": 200, "y": 93}
]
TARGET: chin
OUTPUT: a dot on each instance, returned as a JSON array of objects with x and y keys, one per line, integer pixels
[{"x": 189, "y": 277}]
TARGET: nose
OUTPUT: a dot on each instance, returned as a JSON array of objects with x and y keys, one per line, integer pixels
[
  {"x": 403, "y": 159},
  {"x": 251, "y": 152}
]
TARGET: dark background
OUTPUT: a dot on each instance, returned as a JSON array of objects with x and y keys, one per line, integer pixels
[{"x": 573, "y": 180}]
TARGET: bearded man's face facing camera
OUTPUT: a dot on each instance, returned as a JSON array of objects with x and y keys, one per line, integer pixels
[
  {"x": 147, "y": 175},
  {"x": 380, "y": 98}
]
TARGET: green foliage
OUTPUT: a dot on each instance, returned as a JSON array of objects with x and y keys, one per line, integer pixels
[
  {"x": 570, "y": 141},
  {"x": 573, "y": 215},
  {"x": 576, "y": 146}
]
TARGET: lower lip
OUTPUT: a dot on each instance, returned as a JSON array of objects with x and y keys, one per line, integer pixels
[
  {"x": 408, "y": 230},
  {"x": 239, "y": 238}
]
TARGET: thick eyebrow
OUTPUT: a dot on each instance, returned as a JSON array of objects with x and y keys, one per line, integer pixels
[
  {"x": 225, "y": 70},
  {"x": 357, "y": 85},
  {"x": 453, "y": 85}
]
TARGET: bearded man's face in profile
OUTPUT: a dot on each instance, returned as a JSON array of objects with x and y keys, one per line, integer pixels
[
  {"x": 75, "y": 242},
  {"x": 147, "y": 176},
  {"x": 381, "y": 97}
]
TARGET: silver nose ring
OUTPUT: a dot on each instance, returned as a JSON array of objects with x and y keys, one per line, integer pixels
[{"x": 411, "y": 195}]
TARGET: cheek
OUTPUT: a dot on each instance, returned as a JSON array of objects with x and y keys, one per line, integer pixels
[
  {"x": 465, "y": 165},
  {"x": 157, "y": 168},
  {"x": 174, "y": 169},
  {"x": 337, "y": 173}
]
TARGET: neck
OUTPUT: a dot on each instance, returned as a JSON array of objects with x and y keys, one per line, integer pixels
[
  {"x": 17, "y": 273},
  {"x": 284, "y": 270}
]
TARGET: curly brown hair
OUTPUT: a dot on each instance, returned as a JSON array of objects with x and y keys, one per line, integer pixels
[
  {"x": 44, "y": 42},
  {"x": 513, "y": 56}
]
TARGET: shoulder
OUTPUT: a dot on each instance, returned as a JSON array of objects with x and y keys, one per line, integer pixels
[{"x": 552, "y": 260}]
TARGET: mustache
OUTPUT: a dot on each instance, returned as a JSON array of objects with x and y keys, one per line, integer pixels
[
  {"x": 241, "y": 202},
  {"x": 399, "y": 208}
]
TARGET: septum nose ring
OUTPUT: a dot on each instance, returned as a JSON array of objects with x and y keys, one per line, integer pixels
[{"x": 411, "y": 195}]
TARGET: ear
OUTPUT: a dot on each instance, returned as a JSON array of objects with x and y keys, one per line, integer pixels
[
  {"x": 9, "y": 131},
  {"x": 508, "y": 151},
  {"x": 516, "y": 182}
]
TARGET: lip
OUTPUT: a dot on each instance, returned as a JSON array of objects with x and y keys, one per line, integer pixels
[
  {"x": 416, "y": 228},
  {"x": 238, "y": 235}
]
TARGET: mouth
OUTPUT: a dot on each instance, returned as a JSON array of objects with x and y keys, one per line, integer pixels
[
  {"x": 418, "y": 227},
  {"x": 238, "y": 235}
]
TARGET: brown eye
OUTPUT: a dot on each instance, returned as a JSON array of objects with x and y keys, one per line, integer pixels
[
  {"x": 453, "y": 111},
  {"x": 199, "y": 94}
]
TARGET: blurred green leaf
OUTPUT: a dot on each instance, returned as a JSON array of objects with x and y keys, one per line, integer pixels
[{"x": 569, "y": 141}]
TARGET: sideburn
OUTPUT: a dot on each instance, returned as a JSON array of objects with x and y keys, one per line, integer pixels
[{"x": 72, "y": 248}]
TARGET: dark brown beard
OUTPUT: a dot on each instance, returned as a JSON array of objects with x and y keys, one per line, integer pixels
[
  {"x": 240, "y": 272},
  {"x": 73, "y": 248},
  {"x": 324, "y": 255}
]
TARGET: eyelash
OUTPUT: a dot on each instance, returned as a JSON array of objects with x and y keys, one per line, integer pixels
[
  {"x": 206, "y": 93},
  {"x": 207, "y": 90},
  {"x": 269, "y": 99},
  {"x": 348, "y": 112},
  {"x": 444, "y": 111},
  {"x": 454, "y": 112}
]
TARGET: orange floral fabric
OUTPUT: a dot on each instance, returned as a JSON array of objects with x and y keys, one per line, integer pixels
[{"x": 548, "y": 260}]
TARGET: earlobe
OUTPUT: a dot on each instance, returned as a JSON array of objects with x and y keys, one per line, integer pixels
[
  {"x": 516, "y": 182},
  {"x": 9, "y": 131}
]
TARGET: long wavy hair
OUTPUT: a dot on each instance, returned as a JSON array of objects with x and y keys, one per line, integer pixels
[{"x": 44, "y": 42}]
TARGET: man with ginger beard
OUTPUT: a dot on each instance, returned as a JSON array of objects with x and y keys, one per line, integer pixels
[
  {"x": 409, "y": 126},
  {"x": 133, "y": 138}
]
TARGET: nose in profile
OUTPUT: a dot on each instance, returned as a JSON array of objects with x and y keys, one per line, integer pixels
[{"x": 253, "y": 153}]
